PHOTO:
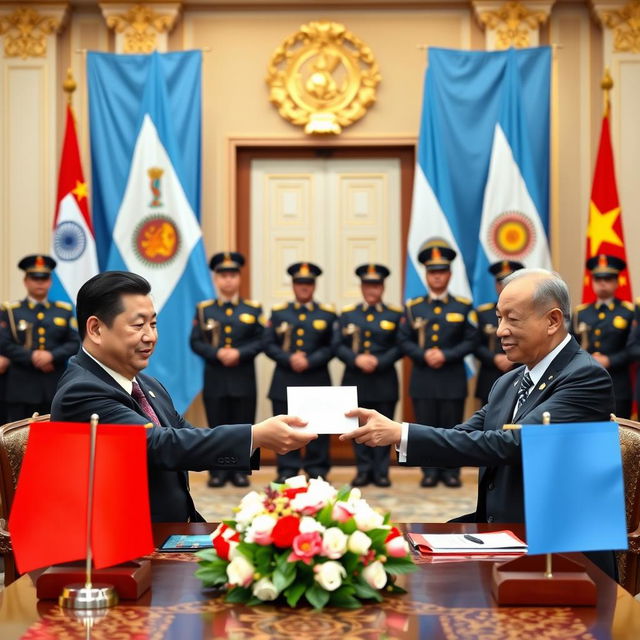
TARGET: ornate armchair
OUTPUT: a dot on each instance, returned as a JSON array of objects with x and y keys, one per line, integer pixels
[
  {"x": 13, "y": 443},
  {"x": 629, "y": 561}
]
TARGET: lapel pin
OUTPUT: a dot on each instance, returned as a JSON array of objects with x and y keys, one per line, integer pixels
[
  {"x": 550, "y": 377},
  {"x": 153, "y": 395},
  {"x": 542, "y": 386}
]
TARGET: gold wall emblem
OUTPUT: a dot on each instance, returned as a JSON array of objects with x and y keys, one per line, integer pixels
[
  {"x": 26, "y": 33},
  {"x": 626, "y": 27},
  {"x": 512, "y": 22},
  {"x": 323, "y": 78},
  {"x": 140, "y": 27}
]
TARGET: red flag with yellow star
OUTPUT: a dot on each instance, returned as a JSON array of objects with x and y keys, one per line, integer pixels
[
  {"x": 604, "y": 232},
  {"x": 73, "y": 245}
]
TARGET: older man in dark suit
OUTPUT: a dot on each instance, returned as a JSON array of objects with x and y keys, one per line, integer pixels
[
  {"x": 556, "y": 376},
  {"x": 117, "y": 323}
]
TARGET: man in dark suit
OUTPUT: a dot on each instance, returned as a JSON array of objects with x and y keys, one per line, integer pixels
[
  {"x": 298, "y": 338},
  {"x": 227, "y": 334},
  {"x": 366, "y": 341},
  {"x": 493, "y": 362},
  {"x": 556, "y": 376},
  {"x": 117, "y": 323},
  {"x": 603, "y": 327},
  {"x": 438, "y": 331},
  {"x": 38, "y": 336}
]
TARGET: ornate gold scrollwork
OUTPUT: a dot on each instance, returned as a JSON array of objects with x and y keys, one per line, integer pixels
[
  {"x": 140, "y": 26},
  {"x": 26, "y": 33},
  {"x": 512, "y": 22},
  {"x": 323, "y": 78},
  {"x": 626, "y": 27}
]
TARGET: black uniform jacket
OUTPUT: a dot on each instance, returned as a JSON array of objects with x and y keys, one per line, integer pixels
[
  {"x": 218, "y": 324},
  {"x": 448, "y": 324},
  {"x": 172, "y": 448},
  {"x": 295, "y": 327},
  {"x": 364, "y": 329},
  {"x": 26, "y": 327},
  {"x": 574, "y": 388}
]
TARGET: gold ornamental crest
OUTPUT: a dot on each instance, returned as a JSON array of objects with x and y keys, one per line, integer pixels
[{"x": 323, "y": 78}]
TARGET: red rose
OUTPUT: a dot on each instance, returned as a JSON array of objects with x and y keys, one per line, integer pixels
[
  {"x": 286, "y": 529},
  {"x": 292, "y": 493},
  {"x": 394, "y": 533},
  {"x": 221, "y": 538}
]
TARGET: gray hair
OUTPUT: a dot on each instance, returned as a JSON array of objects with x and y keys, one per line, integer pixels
[{"x": 550, "y": 289}]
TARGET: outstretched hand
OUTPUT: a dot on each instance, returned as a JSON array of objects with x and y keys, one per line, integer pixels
[
  {"x": 281, "y": 434},
  {"x": 376, "y": 430}
]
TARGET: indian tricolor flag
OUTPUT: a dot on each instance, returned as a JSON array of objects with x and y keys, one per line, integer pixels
[{"x": 73, "y": 243}]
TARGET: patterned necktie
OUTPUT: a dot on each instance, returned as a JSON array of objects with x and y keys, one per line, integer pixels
[
  {"x": 523, "y": 391},
  {"x": 138, "y": 395}
]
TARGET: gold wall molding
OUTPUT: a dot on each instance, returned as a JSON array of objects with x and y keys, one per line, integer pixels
[
  {"x": 26, "y": 29},
  {"x": 512, "y": 24},
  {"x": 323, "y": 78},
  {"x": 625, "y": 24},
  {"x": 140, "y": 28}
]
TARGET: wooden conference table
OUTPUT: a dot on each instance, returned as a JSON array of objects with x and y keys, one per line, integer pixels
[{"x": 445, "y": 600}]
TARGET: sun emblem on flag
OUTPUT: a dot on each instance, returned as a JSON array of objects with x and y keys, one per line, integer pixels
[
  {"x": 512, "y": 235},
  {"x": 156, "y": 240},
  {"x": 155, "y": 175},
  {"x": 69, "y": 241}
]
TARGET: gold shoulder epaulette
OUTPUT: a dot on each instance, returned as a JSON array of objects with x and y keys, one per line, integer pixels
[
  {"x": 280, "y": 307},
  {"x": 411, "y": 301},
  {"x": 628, "y": 305},
  {"x": 582, "y": 306},
  {"x": 11, "y": 304},
  {"x": 486, "y": 306},
  {"x": 253, "y": 303},
  {"x": 328, "y": 307},
  {"x": 395, "y": 307},
  {"x": 349, "y": 307},
  {"x": 64, "y": 305},
  {"x": 205, "y": 303},
  {"x": 463, "y": 300}
]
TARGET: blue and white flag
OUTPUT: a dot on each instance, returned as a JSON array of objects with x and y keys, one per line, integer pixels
[
  {"x": 482, "y": 171},
  {"x": 147, "y": 193}
]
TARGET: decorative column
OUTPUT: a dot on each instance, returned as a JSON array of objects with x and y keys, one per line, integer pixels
[
  {"x": 141, "y": 28},
  {"x": 512, "y": 24},
  {"x": 28, "y": 135}
]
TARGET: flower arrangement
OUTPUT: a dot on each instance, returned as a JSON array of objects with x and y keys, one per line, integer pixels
[{"x": 305, "y": 538}]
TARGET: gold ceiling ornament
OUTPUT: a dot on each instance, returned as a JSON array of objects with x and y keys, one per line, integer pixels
[
  {"x": 626, "y": 27},
  {"x": 323, "y": 78},
  {"x": 26, "y": 32},
  {"x": 512, "y": 23},
  {"x": 140, "y": 27}
]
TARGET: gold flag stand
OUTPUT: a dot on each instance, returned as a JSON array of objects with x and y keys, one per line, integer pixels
[{"x": 547, "y": 580}]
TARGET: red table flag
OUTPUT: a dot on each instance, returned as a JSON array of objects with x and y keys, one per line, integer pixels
[
  {"x": 48, "y": 520},
  {"x": 604, "y": 231}
]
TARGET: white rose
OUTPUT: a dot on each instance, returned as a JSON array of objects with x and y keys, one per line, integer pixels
[
  {"x": 308, "y": 503},
  {"x": 240, "y": 571},
  {"x": 309, "y": 525},
  {"x": 355, "y": 495},
  {"x": 329, "y": 574},
  {"x": 359, "y": 542},
  {"x": 375, "y": 575},
  {"x": 366, "y": 518},
  {"x": 265, "y": 590},
  {"x": 297, "y": 482},
  {"x": 322, "y": 488},
  {"x": 259, "y": 531},
  {"x": 334, "y": 543},
  {"x": 233, "y": 550},
  {"x": 253, "y": 497}
]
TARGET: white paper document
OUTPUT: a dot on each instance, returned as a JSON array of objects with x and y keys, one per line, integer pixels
[{"x": 323, "y": 407}]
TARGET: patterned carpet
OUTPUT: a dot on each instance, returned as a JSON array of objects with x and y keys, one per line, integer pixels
[{"x": 406, "y": 501}]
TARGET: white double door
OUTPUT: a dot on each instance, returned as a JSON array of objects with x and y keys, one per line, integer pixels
[{"x": 336, "y": 213}]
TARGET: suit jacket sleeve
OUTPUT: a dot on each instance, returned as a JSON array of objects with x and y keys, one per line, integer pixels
[{"x": 583, "y": 396}]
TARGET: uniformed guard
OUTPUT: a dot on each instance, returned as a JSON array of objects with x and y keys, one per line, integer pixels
[
  {"x": 298, "y": 338},
  {"x": 227, "y": 333},
  {"x": 437, "y": 332},
  {"x": 38, "y": 336},
  {"x": 603, "y": 327},
  {"x": 493, "y": 361},
  {"x": 366, "y": 341}
]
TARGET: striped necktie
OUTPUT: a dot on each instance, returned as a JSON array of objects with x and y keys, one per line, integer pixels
[
  {"x": 138, "y": 395},
  {"x": 523, "y": 391}
]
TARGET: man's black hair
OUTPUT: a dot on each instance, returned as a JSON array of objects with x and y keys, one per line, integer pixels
[{"x": 101, "y": 296}]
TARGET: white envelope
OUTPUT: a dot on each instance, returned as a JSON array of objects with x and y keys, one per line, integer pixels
[{"x": 323, "y": 407}]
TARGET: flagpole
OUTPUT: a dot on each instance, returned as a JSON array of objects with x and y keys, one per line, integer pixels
[
  {"x": 555, "y": 159},
  {"x": 606, "y": 85}
]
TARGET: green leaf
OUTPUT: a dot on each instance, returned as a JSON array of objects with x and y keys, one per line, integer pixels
[
  {"x": 378, "y": 536},
  {"x": 247, "y": 549},
  {"x": 343, "y": 493},
  {"x": 230, "y": 523},
  {"x": 288, "y": 569},
  {"x": 262, "y": 559},
  {"x": 281, "y": 581},
  {"x": 208, "y": 555},
  {"x": 253, "y": 601},
  {"x": 343, "y": 597},
  {"x": 211, "y": 575},
  {"x": 394, "y": 588},
  {"x": 238, "y": 595},
  {"x": 399, "y": 566},
  {"x": 350, "y": 562},
  {"x": 365, "y": 591},
  {"x": 324, "y": 515},
  {"x": 349, "y": 526},
  {"x": 316, "y": 596},
  {"x": 294, "y": 592}
]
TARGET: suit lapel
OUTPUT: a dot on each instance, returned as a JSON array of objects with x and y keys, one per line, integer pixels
[{"x": 547, "y": 379}]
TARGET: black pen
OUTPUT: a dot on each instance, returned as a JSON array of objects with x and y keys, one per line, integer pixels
[{"x": 473, "y": 539}]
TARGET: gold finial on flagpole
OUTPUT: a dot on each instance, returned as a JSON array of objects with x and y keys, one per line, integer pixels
[
  {"x": 606, "y": 85},
  {"x": 69, "y": 85}
]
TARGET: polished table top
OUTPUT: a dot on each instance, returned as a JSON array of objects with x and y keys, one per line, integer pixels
[{"x": 445, "y": 600}]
